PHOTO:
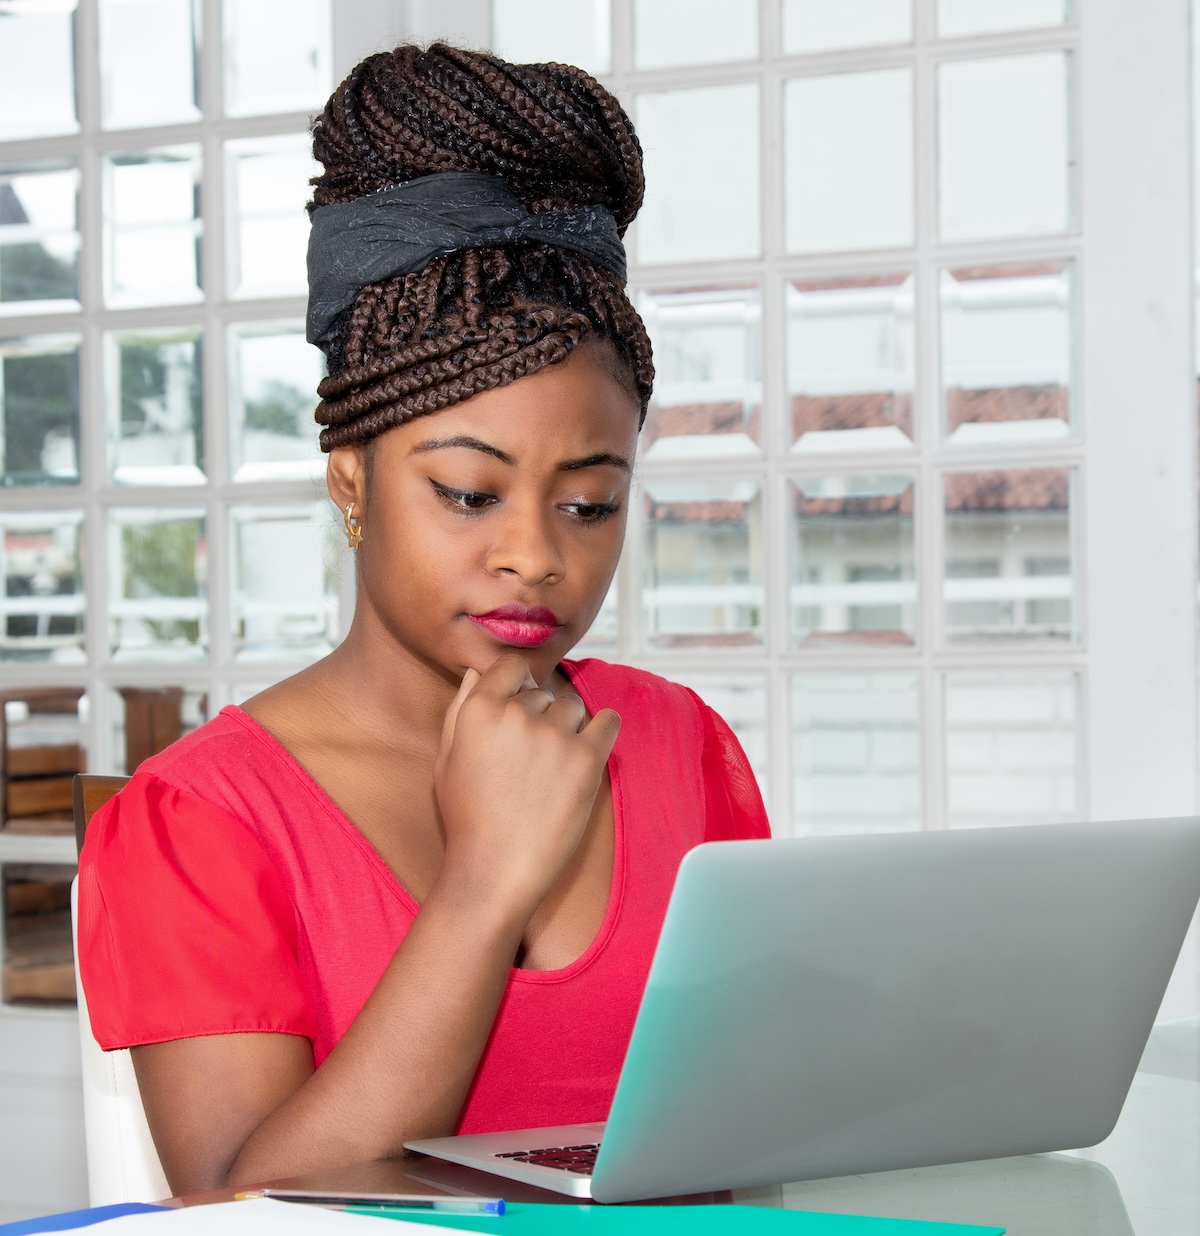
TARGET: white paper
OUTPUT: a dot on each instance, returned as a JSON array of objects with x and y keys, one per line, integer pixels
[{"x": 259, "y": 1217}]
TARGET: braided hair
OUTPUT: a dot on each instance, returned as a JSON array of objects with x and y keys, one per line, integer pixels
[{"x": 481, "y": 318}]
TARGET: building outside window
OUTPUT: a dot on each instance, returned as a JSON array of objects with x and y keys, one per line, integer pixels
[{"x": 860, "y": 474}]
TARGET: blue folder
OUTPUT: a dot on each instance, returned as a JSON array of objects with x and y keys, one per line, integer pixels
[{"x": 76, "y": 1218}]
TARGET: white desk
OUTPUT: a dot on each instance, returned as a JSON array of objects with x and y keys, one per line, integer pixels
[{"x": 1144, "y": 1179}]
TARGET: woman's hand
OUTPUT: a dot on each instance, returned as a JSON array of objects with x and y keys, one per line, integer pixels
[{"x": 516, "y": 779}]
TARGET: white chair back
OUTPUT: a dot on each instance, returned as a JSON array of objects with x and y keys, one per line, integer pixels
[{"x": 122, "y": 1163}]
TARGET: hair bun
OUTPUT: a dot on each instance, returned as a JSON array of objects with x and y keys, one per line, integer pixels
[{"x": 557, "y": 136}]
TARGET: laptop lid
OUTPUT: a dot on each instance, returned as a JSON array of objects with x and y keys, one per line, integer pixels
[{"x": 822, "y": 1006}]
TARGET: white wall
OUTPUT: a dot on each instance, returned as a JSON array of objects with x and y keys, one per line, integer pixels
[
  {"x": 43, "y": 1164},
  {"x": 1141, "y": 491}
]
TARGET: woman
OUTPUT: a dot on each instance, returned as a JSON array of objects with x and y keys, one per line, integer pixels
[{"x": 416, "y": 887}]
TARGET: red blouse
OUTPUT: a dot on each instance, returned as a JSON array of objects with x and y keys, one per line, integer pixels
[{"x": 222, "y": 891}]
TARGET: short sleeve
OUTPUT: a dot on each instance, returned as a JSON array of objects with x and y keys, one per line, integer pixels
[
  {"x": 185, "y": 926},
  {"x": 735, "y": 810}
]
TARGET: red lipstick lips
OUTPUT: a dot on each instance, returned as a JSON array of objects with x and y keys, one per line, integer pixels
[{"x": 519, "y": 627}]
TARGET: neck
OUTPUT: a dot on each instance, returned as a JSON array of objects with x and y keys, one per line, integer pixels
[{"x": 387, "y": 687}]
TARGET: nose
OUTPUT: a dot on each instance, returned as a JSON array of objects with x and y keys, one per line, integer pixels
[{"x": 525, "y": 546}]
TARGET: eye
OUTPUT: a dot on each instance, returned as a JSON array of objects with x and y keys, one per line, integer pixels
[
  {"x": 469, "y": 501},
  {"x": 591, "y": 512}
]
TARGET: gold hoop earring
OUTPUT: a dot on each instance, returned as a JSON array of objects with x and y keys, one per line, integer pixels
[{"x": 353, "y": 527}]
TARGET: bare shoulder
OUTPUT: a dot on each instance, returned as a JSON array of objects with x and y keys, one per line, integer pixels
[
  {"x": 287, "y": 696},
  {"x": 300, "y": 710}
]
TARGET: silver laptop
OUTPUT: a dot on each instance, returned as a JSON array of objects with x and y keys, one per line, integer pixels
[{"x": 825, "y": 1006}]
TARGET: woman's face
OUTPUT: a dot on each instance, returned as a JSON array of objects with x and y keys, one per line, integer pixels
[{"x": 496, "y": 524}]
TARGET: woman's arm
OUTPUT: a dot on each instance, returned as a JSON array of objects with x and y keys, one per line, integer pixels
[
  {"x": 516, "y": 780},
  {"x": 238, "y": 1108}
]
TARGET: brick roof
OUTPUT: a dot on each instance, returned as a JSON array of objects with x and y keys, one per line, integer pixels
[
  {"x": 1006, "y": 403},
  {"x": 869, "y": 410},
  {"x": 1013, "y": 489},
  {"x": 864, "y": 410}
]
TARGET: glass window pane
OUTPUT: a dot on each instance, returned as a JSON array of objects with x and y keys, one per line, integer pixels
[
  {"x": 152, "y": 227},
  {"x": 268, "y": 233},
  {"x": 742, "y": 703},
  {"x": 1011, "y": 748},
  {"x": 701, "y": 174},
  {"x": 158, "y": 585},
  {"x": 39, "y": 410},
  {"x": 703, "y": 562},
  {"x": 37, "y": 69},
  {"x": 848, "y": 161},
  {"x": 273, "y": 376},
  {"x": 1009, "y": 572},
  {"x": 148, "y": 62},
  {"x": 39, "y": 238},
  {"x": 45, "y": 744},
  {"x": 702, "y": 33},
  {"x": 856, "y": 761},
  {"x": 284, "y": 581},
  {"x": 852, "y": 571},
  {"x": 35, "y": 902},
  {"x": 1006, "y": 352},
  {"x": 539, "y": 31},
  {"x": 708, "y": 385},
  {"x": 1004, "y": 146},
  {"x": 43, "y": 586},
  {"x": 155, "y": 408},
  {"x": 274, "y": 65},
  {"x": 956, "y": 17},
  {"x": 850, "y": 362},
  {"x": 146, "y": 720},
  {"x": 818, "y": 25},
  {"x": 602, "y": 634}
]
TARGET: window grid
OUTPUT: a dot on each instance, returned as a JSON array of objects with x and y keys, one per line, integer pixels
[
  {"x": 927, "y": 461},
  {"x": 218, "y": 675}
]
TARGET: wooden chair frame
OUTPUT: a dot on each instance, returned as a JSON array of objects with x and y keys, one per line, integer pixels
[{"x": 89, "y": 792}]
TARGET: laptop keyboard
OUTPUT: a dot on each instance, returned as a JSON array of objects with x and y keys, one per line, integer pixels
[{"x": 578, "y": 1159}]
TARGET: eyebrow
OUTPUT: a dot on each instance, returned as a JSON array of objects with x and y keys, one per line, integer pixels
[
  {"x": 471, "y": 444},
  {"x": 601, "y": 459},
  {"x": 604, "y": 459}
]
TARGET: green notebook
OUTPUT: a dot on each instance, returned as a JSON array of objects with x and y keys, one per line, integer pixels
[{"x": 529, "y": 1219}]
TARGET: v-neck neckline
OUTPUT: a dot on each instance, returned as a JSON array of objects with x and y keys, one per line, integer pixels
[{"x": 616, "y": 890}]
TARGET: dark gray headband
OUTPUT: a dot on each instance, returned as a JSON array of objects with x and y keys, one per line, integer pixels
[{"x": 401, "y": 229}]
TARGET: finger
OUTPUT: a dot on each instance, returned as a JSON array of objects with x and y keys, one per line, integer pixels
[
  {"x": 469, "y": 680},
  {"x": 601, "y": 732},
  {"x": 535, "y": 700},
  {"x": 569, "y": 711},
  {"x": 506, "y": 675}
]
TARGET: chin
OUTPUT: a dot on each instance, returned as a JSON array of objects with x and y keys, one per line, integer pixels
[{"x": 541, "y": 660}]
